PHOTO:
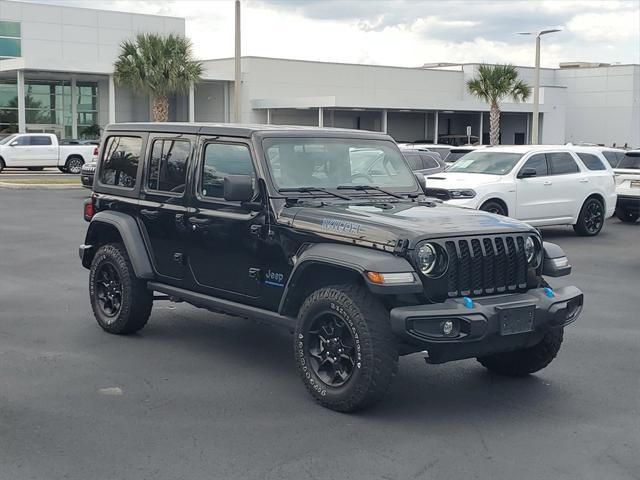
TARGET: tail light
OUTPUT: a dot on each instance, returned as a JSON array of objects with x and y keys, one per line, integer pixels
[
  {"x": 95, "y": 152},
  {"x": 89, "y": 210}
]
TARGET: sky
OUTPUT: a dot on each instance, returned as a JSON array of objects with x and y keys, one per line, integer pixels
[{"x": 405, "y": 33}]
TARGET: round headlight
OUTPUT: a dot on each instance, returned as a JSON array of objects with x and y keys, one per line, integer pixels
[
  {"x": 432, "y": 260},
  {"x": 427, "y": 257},
  {"x": 532, "y": 251}
]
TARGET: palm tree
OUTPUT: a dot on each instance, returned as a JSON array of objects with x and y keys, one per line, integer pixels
[
  {"x": 159, "y": 66},
  {"x": 493, "y": 84}
]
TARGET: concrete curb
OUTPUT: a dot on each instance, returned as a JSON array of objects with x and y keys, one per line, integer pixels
[{"x": 39, "y": 186}]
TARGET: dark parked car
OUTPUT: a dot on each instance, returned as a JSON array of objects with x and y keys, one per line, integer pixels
[
  {"x": 423, "y": 161},
  {"x": 290, "y": 226},
  {"x": 86, "y": 174}
]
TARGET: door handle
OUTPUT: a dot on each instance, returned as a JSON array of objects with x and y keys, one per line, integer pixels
[
  {"x": 150, "y": 214},
  {"x": 584, "y": 180},
  {"x": 199, "y": 221},
  {"x": 547, "y": 183}
]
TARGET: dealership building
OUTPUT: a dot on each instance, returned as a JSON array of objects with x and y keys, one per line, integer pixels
[{"x": 56, "y": 75}]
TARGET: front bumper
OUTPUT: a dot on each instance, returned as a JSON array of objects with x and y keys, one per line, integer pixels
[{"x": 477, "y": 328}]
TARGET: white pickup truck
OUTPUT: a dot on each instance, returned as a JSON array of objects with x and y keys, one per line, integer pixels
[{"x": 38, "y": 150}]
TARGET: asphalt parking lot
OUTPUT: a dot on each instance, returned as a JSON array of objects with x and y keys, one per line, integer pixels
[{"x": 197, "y": 395}]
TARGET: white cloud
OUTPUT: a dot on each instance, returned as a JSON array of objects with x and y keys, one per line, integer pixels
[{"x": 606, "y": 27}]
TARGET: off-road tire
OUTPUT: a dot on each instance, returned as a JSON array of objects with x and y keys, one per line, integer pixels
[
  {"x": 492, "y": 206},
  {"x": 581, "y": 225},
  {"x": 368, "y": 320},
  {"x": 136, "y": 301},
  {"x": 626, "y": 216},
  {"x": 520, "y": 363}
]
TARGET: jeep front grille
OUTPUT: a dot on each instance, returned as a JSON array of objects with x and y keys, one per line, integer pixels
[{"x": 480, "y": 266}]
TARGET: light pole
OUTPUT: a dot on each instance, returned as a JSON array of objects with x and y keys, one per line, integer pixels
[
  {"x": 536, "y": 82},
  {"x": 238, "y": 68}
]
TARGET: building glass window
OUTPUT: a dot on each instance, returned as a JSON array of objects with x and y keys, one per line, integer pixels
[
  {"x": 10, "y": 41},
  {"x": 8, "y": 107}
]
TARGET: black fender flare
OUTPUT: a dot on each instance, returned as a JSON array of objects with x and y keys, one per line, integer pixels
[
  {"x": 132, "y": 238},
  {"x": 355, "y": 259}
]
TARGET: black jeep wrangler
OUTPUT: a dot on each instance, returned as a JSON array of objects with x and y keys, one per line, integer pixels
[{"x": 325, "y": 232}]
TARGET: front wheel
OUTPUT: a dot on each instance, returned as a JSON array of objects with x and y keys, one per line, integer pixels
[
  {"x": 492, "y": 206},
  {"x": 120, "y": 301},
  {"x": 626, "y": 216},
  {"x": 344, "y": 348},
  {"x": 526, "y": 360},
  {"x": 591, "y": 218}
]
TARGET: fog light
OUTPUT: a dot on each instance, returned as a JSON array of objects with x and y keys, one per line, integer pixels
[{"x": 447, "y": 327}]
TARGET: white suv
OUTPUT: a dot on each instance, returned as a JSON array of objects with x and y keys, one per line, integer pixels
[
  {"x": 628, "y": 187},
  {"x": 542, "y": 185}
]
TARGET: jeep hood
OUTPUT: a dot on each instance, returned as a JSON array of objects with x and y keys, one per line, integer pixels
[{"x": 383, "y": 224}]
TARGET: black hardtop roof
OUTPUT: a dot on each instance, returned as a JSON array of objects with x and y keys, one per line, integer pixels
[{"x": 240, "y": 130}]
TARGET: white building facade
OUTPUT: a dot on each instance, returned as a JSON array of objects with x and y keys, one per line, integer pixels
[{"x": 56, "y": 66}]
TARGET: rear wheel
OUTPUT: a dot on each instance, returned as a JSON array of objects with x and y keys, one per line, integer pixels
[
  {"x": 2, "y": 165},
  {"x": 121, "y": 302},
  {"x": 492, "y": 206},
  {"x": 591, "y": 218},
  {"x": 63, "y": 169},
  {"x": 344, "y": 348},
  {"x": 527, "y": 360},
  {"x": 626, "y": 216},
  {"x": 74, "y": 165}
]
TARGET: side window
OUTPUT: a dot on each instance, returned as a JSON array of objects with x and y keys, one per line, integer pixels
[
  {"x": 612, "y": 158},
  {"x": 591, "y": 161},
  {"x": 168, "y": 165},
  {"x": 414, "y": 160},
  {"x": 40, "y": 140},
  {"x": 539, "y": 163},
  {"x": 562, "y": 163},
  {"x": 120, "y": 161},
  {"x": 20, "y": 141},
  {"x": 429, "y": 162},
  {"x": 220, "y": 160}
]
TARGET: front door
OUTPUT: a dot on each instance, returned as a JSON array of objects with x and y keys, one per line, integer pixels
[
  {"x": 224, "y": 250},
  {"x": 533, "y": 193},
  {"x": 163, "y": 203}
]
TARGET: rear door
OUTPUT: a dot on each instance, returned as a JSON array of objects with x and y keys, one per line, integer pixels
[
  {"x": 44, "y": 150},
  {"x": 163, "y": 203},
  {"x": 224, "y": 247},
  {"x": 569, "y": 184}
]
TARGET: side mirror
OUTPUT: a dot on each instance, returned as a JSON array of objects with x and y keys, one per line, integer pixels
[
  {"x": 527, "y": 173},
  {"x": 14, "y": 143},
  {"x": 556, "y": 263},
  {"x": 421, "y": 180},
  {"x": 238, "y": 188}
]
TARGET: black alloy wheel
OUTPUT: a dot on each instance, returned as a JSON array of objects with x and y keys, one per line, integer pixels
[
  {"x": 331, "y": 348},
  {"x": 591, "y": 218},
  {"x": 493, "y": 207},
  {"x": 109, "y": 291}
]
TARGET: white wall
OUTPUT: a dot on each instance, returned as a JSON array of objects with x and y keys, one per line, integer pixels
[
  {"x": 78, "y": 39},
  {"x": 602, "y": 104}
]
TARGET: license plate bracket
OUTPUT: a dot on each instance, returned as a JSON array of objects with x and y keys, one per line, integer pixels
[{"x": 514, "y": 320}]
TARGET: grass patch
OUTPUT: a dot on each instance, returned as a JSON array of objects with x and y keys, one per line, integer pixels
[{"x": 41, "y": 181}]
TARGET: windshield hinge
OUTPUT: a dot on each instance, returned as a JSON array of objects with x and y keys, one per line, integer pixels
[{"x": 401, "y": 246}]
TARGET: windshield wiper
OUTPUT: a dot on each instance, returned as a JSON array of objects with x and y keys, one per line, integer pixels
[
  {"x": 369, "y": 187},
  {"x": 314, "y": 189}
]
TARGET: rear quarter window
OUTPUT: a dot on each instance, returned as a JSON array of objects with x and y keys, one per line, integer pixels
[
  {"x": 591, "y": 161},
  {"x": 119, "y": 167}
]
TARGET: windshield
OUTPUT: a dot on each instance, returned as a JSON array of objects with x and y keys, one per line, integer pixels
[
  {"x": 6, "y": 140},
  {"x": 333, "y": 162},
  {"x": 630, "y": 161},
  {"x": 493, "y": 163}
]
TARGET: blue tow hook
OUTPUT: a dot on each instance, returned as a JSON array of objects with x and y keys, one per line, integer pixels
[
  {"x": 548, "y": 292},
  {"x": 468, "y": 302}
]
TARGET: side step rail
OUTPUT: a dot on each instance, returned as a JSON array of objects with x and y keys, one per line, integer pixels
[{"x": 214, "y": 303}]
